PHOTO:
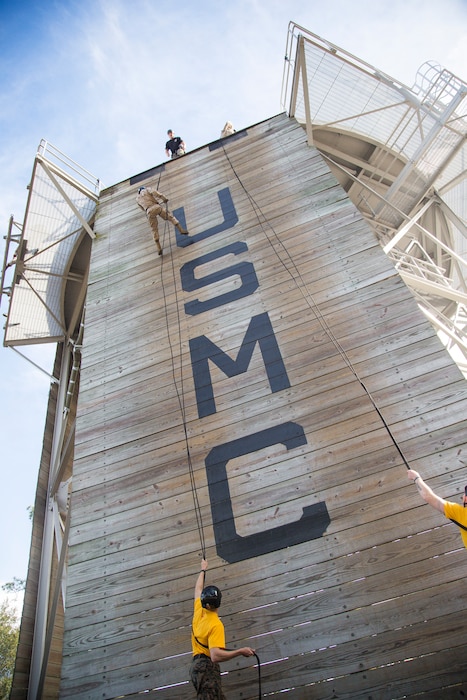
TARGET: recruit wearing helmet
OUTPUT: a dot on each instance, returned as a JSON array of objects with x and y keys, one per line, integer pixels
[{"x": 211, "y": 596}]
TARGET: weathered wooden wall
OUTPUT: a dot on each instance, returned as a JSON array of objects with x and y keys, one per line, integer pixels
[{"x": 373, "y": 606}]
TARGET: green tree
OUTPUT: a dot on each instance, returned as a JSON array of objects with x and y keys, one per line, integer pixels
[
  {"x": 9, "y": 633},
  {"x": 18, "y": 584}
]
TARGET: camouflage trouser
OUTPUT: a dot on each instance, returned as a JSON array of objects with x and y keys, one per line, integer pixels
[
  {"x": 206, "y": 677},
  {"x": 152, "y": 213}
]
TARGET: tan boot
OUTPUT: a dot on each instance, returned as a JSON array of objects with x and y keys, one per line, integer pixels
[{"x": 159, "y": 247}]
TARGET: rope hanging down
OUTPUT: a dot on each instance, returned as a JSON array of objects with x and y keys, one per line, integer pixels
[
  {"x": 260, "y": 691},
  {"x": 302, "y": 287},
  {"x": 181, "y": 401},
  {"x": 308, "y": 296},
  {"x": 180, "y": 392}
]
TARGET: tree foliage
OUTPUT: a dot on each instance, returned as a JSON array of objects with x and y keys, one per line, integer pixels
[
  {"x": 9, "y": 633},
  {"x": 14, "y": 586}
]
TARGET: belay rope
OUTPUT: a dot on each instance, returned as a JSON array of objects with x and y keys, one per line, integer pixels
[
  {"x": 302, "y": 287},
  {"x": 317, "y": 312},
  {"x": 181, "y": 394},
  {"x": 181, "y": 402}
]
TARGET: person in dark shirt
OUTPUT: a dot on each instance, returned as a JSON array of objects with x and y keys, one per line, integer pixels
[{"x": 175, "y": 146}]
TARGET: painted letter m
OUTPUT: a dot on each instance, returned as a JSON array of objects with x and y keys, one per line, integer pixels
[{"x": 202, "y": 350}]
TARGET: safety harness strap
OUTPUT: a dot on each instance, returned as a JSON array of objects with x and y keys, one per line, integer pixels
[
  {"x": 458, "y": 524},
  {"x": 200, "y": 643}
]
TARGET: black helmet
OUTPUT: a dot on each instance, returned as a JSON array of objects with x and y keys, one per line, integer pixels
[
  {"x": 211, "y": 595},
  {"x": 141, "y": 188}
]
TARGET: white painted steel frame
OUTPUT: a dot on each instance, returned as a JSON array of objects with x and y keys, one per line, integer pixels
[
  {"x": 78, "y": 197},
  {"x": 59, "y": 208},
  {"x": 425, "y": 128},
  {"x": 56, "y": 519}
]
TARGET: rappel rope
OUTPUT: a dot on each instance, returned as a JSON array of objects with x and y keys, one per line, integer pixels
[
  {"x": 260, "y": 691},
  {"x": 181, "y": 401},
  {"x": 180, "y": 392},
  {"x": 310, "y": 301}
]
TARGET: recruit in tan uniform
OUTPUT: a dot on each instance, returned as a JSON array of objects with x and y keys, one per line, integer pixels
[{"x": 149, "y": 199}]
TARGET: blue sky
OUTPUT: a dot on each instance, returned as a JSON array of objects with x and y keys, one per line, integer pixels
[{"x": 103, "y": 80}]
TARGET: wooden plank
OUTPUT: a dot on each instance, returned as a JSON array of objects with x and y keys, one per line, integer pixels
[
  {"x": 385, "y": 566},
  {"x": 442, "y": 673},
  {"x": 290, "y": 577},
  {"x": 307, "y": 603},
  {"x": 314, "y": 667}
]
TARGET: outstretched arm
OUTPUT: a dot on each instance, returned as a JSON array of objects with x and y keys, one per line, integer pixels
[
  {"x": 218, "y": 655},
  {"x": 200, "y": 580},
  {"x": 156, "y": 193},
  {"x": 426, "y": 492}
]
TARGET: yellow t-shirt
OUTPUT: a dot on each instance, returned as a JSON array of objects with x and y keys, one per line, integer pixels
[
  {"x": 208, "y": 628},
  {"x": 459, "y": 513}
]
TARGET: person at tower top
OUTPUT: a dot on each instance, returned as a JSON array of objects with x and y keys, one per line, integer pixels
[
  {"x": 208, "y": 641},
  {"x": 228, "y": 130},
  {"x": 453, "y": 511},
  {"x": 175, "y": 146}
]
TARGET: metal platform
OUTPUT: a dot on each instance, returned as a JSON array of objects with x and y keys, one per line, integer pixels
[
  {"x": 45, "y": 265},
  {"x": 400, "y": 152}
]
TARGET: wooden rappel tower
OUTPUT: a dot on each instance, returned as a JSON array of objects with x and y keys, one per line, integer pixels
[{"x": 256, "y": 393}]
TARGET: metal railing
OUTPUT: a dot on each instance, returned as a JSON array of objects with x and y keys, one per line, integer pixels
[
  {"x": 80, "y": 174},
  {"x": 412, "y": 175}
]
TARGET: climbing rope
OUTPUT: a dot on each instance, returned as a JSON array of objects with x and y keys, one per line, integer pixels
[
  {"x": 260, "y": 695},
  {"x": 260, "y": 691},
  {"x": 309, "y": 299},
  {"x": 294, "y": 273},
  {"x": 181, "y": 401},
  {"x": 180, "y": 391}
]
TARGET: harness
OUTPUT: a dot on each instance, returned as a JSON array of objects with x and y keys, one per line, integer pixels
[
  {"x": 458, "y": 524},
  {"x": 200, "y": 643}
]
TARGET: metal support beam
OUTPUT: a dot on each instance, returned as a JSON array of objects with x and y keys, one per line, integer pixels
[
  {"x": 303, "y": 72},
  {"x": 75, "y": 211},
  {"x": 42, "y": 619},
  {"x": 53, "y": 610},
  {"x": 430, "y": 287},
  {"x": 53, "y": 379}
]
